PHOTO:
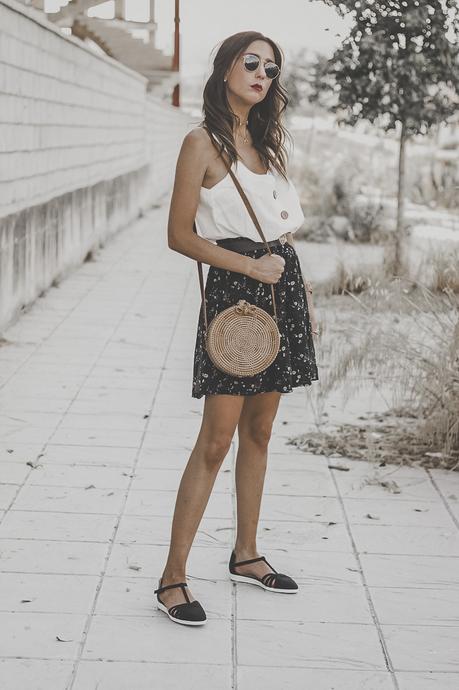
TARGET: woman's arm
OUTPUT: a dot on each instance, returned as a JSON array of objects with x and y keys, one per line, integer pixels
[{"x": 192, "y": 164}]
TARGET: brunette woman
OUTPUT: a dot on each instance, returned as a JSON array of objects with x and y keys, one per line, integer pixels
[{"x": 242, "y": 128}]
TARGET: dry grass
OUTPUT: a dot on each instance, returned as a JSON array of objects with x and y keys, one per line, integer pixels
[
  {"x": 446, "y": 271},
  {"x": 442, "y": 274},
  {"x": 349, "y": 280},
  {"x": 407, "y": 337}
]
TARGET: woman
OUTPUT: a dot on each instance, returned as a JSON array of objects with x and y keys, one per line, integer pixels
[{"x": 243, "y": 104}]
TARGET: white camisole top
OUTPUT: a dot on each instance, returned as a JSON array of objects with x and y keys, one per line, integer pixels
[{"x": 222, "y": 213}]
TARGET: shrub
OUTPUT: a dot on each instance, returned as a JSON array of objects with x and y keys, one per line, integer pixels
[{"x": 408, "y": 337}]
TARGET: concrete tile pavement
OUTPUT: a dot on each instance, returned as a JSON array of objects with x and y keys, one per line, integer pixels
[{"x": 97, "y": 423}]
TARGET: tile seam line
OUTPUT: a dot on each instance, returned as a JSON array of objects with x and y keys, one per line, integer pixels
[
  {"x": 132, "y": 576},
  {"x": 214, "y": 544},
  {"x": 82, "y": 644},
  {"x": 443, "y": 499},
  {"x": 149, "y": 616},
  {"x": 112, "y": 267},
  {"x": 139, "y": 515},
  {"x": 105, "y": 660},
  {"x": 120, "y": 490},
  {"x": 377, "y": 624},
  {"x": 109, "y": 660}
]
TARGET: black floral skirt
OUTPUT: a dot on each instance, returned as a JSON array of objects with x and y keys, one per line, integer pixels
[{"x": 295, "y": 364}]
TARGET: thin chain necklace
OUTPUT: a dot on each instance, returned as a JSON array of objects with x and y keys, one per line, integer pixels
[{"x": 245, "y": 137}]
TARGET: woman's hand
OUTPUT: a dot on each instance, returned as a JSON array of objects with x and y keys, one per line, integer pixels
[
  {"x": 314, "y": 324},
  {"x": 268, "y": 268},
  {"x": 312, "y": 314}
]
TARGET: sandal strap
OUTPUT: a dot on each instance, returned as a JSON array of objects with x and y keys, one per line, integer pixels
[
  {"x": 254, "y": 560},
  {"x": 185, "y": 606},
  {"x": 176, "y": 584},
  {"x": 251, "y": 560},
  {"x": 269, "y": 579}
]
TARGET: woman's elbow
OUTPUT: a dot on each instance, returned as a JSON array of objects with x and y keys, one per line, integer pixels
[
  {"x": 172, "y": 238},
  {"x": 175, "y": 242},
  {"x": 171, "y": 242}
]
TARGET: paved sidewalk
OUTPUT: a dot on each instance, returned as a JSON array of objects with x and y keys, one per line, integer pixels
[{"x": 97, "y": 423}]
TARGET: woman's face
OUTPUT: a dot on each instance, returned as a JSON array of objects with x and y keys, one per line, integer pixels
[{"x": 242, "y": 83}]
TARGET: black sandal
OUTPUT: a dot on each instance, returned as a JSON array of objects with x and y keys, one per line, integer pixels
[
  {"x": 274, "y": 582},
  {"x": 188, "y": 613}
]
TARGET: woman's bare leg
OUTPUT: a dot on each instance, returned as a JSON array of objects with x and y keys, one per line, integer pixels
[
  {"x": 254, "y": 429},
  {"x": 220, "y": 417}
]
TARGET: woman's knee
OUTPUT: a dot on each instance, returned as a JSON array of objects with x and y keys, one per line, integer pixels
[
  {"x": 257, "y": 432},
  {"x": 215, "y": 448}
]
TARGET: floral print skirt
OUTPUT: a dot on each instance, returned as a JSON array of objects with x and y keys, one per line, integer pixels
[{"x": 295, "y": 363}]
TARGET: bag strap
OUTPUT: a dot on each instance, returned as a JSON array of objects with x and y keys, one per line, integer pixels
[{"x": 258, "y": 227}]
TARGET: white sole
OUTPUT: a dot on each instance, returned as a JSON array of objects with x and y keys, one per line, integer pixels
[
  {"x": 161, "y": 607},
  {"x": 252, "y": 581}
]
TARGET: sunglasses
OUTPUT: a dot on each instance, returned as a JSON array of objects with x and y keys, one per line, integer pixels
[{"x": 252, "y": 62}]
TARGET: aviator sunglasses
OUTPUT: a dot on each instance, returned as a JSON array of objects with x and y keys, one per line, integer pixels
[{"x": 251, "y": 63}]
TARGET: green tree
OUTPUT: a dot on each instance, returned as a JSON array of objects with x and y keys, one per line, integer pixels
[{"x": 398, "y": 68}]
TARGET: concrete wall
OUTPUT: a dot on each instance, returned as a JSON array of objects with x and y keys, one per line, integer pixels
[{"x": 83, "y": 150}]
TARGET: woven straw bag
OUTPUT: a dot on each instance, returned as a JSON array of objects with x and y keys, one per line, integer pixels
[{"x": 243, "y": 339}]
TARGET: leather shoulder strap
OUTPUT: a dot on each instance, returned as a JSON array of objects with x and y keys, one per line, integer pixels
[
  {"x": 257, "y": 225},
  {"x": 249, "y": 208}
]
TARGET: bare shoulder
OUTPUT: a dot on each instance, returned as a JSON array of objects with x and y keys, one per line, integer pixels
[
  {"x": 199, "y": 159},
  {"x": 204, "y": 157},
  {"x": 197, "y": 143}
]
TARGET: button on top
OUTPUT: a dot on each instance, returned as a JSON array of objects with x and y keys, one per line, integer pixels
[
  {"x": 284, "y": 214},
  {"x": 274, "y": 194}
]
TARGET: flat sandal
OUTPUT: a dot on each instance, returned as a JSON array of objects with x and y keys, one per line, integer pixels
[
  {"x": 274, "y": 582},
  {"x": 188, "y": 613}
]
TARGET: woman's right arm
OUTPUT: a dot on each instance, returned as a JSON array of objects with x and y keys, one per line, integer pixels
[{"x": 192, "y": 164}]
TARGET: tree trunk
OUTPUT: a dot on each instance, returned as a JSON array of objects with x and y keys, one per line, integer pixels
[{"x": 399, "y": 232}]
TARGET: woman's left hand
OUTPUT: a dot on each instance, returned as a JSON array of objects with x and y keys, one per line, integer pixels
[
  {"x": 312, "y": 315},
  {"x": 314, "y": 324}
]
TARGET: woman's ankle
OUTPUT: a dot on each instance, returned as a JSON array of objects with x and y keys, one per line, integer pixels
[
  {"x": 245, "y": 552},
  {"x": 173, "y": 576}
]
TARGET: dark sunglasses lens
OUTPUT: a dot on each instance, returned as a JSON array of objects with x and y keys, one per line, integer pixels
[
  {"x": 272, "y": 70},
  {"x": 251, "y": 62}
]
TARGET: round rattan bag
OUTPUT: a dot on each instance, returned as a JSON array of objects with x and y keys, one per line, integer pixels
[{"x": 243, "y": 340}]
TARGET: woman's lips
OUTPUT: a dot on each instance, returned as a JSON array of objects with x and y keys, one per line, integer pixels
[{"x": 257, "y": 87}]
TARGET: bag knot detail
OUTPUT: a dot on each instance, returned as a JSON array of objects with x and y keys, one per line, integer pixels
[{"x": 245, "y": 308}]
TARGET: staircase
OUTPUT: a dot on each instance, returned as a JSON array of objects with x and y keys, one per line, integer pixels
[{"x": 115, "y": 38}]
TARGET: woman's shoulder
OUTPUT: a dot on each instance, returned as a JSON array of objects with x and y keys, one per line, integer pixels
[
  {"x": 198, "y": 140},
  {"x": 197, "y": 146}
]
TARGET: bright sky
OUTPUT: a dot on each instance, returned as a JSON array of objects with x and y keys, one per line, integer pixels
[{"x": 293, "y": 24}]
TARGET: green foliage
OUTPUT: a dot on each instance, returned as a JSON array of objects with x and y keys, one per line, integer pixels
[{"x": 399, "y": 63}]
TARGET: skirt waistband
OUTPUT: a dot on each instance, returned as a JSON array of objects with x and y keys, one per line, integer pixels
[{"x": 246, "y": 244}]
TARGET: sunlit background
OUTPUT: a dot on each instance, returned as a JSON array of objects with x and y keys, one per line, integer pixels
[{"x": 204, "y": 23}]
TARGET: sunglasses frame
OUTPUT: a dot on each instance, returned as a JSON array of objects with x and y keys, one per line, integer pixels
[{"x": 270, "y": 62}]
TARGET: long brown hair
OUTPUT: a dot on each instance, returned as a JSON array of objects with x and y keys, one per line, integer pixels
[{"x": 265, "y": 118}]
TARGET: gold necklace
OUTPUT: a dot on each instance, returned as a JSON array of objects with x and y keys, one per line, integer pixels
[{"x": 245, "y": 138}]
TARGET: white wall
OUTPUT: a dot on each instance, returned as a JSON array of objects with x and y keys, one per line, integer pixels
[{"x": 83, "y": 150}]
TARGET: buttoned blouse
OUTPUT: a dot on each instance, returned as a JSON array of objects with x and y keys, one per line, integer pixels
[{"x": 222, "y": 213}]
